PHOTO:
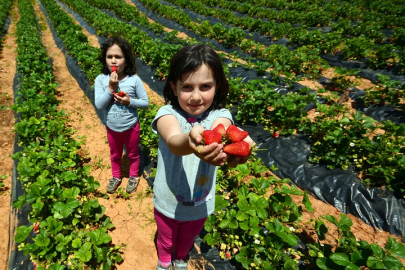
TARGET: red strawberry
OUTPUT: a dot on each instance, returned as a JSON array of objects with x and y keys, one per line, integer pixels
[
  {"x": 275, "y": 135},
  {"x": 36, "y": 227},
  {"x": 239, "y": 149},
  {"x": 237, "y": 135},
  {"x": 228, "y": 254},
  {"x": 211, "y": 136},
  {"x": 232, "y": 127},
  {"x": 220, "y": 129},
  {"x": 121, "y": 94},
  {"x": 113, "y": 69}
]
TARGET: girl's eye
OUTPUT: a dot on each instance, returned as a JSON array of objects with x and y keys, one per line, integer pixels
[{"x": 206, "y": 87}]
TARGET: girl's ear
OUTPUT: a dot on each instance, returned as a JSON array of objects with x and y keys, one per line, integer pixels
[{"x": 173, "y": 88}]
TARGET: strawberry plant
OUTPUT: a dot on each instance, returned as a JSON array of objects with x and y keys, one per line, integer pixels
[
  {"x": 349, "y": 253},
  {"x": 149, "y": 139},
  {"x": 385, "y": 91},
  {"x": 69, "y": 223}
]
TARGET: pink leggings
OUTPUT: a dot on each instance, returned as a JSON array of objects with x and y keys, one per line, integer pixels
[
  {"x": 175, "y": 236},
  {"x": 117, "y": 140}
]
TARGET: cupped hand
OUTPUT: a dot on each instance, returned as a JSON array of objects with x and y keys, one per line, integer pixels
[
  {"x": 125, "y": 99},
  {"x": 211, "y": 154}
]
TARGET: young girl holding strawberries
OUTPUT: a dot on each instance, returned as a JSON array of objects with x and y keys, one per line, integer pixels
[
  {"x": 119, "y": 92},
  {"x": 184, "y": 190}
]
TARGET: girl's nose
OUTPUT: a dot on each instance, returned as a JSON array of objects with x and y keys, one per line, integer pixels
[{"x": 195, "y": 95}]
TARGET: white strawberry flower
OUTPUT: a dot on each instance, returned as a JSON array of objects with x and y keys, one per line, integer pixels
[
  {"x": 351, "y": 144},
  {"x": 257, "y": 241}
]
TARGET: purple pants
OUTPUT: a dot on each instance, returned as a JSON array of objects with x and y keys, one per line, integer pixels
[
  {"x": 117, "y": 140},
  {"x": 175, "y": 237}
]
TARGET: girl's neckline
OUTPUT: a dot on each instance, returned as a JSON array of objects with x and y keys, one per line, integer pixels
[
  {"x": 193, "y": 119},
  {"x": 126, "y": 76}
]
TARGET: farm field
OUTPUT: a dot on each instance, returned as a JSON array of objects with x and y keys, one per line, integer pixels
[{"x": 280, "y": 214}]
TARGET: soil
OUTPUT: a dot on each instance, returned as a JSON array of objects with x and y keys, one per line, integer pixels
[{"x": 132, "y": 217}]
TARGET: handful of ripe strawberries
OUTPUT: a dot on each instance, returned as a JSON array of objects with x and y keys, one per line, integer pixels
[{"x": 232, "y": 138}]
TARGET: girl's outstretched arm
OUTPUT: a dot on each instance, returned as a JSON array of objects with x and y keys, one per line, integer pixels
[{"x": 188, "y": 143}]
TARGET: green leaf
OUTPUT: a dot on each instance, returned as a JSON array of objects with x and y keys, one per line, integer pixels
[
  {"x": 42, "y": 239},
  {"x": 345, "y": 223},
  {"x": 223, "y": 224},
  {"x": 244, "y": 225},
  {"x": 22, "y": 233},
  {"x": 331, "y": 219},
  {"x": 321, "y": 263},
  {"x": 288, "y": 238},
  {"x": 307, "y": 202},
  {"x": 352, "y": 266},
  {"x": 397, "y": 249},
  {"x": 98, "y": 237},
  {"x": 378, "y": 251},
  {"x": 50, "y": 161},
  {"x": 76, "y": 243},
  {"x": 375, "y": 263},
  {"x": 340, "y": 259},
  {"x": 84, "y": 253},
  {"x": 391, "y": 262}
]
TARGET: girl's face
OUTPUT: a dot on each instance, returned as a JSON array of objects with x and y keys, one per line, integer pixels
[
  {"x": 197, "y": 90},
  {"x": 115, "y": 57}
]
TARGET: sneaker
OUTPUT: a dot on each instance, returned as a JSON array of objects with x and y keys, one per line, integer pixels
[
  {"x": 159, "y": 267},
  {"x": 132, "y": 184},
  {"x": 180, "y": 265},
  {"x": 113, "y": 184}
]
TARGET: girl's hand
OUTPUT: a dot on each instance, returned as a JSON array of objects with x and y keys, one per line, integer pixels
[
  {"x": 125, "y": 99},
  {"x": 211, "y": 154},
  {"x": 113, "y": 83}
]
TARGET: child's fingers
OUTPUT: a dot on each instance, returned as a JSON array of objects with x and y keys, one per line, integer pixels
[{"x": 212, "y": 154}]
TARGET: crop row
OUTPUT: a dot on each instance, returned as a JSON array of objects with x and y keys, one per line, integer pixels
[
  {"x": 5, "y": 7},
  {"x": 363, "y": 40},
  {"x": 69, "y": 227}
]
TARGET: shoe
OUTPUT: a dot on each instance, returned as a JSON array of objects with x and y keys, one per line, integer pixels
[
  {"x": 180, "y": 265},
  {"x": 159, "y": 267},
  {"x": 113, "y": 184},
  {"x": 132, "y": 184}
]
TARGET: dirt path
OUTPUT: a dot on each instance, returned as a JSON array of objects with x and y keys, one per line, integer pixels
[
  {"x": 133, "y": 217},
  {"x": 7, "y": 121}
]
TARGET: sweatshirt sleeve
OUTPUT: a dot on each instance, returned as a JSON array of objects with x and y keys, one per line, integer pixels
[
  {"x": 102, "y": 96},
  {"x": 141, "y": 101}
]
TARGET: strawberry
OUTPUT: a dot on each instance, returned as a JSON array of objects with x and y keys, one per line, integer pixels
[
  {"x": 275, "y": 135},
  {"x": 232, "y": 127},
  {"x": 121, "y": 94},
  {"x": 113, "y": 69},
  {"x": 235, "y": 134},
  {"x": 239, "y": 149},
  {"x": 211, "y": 136},
  {"x": 220, "y": 129},
  {"x": 36, "y": 227},
  {"x": 227, "y": 254}
]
